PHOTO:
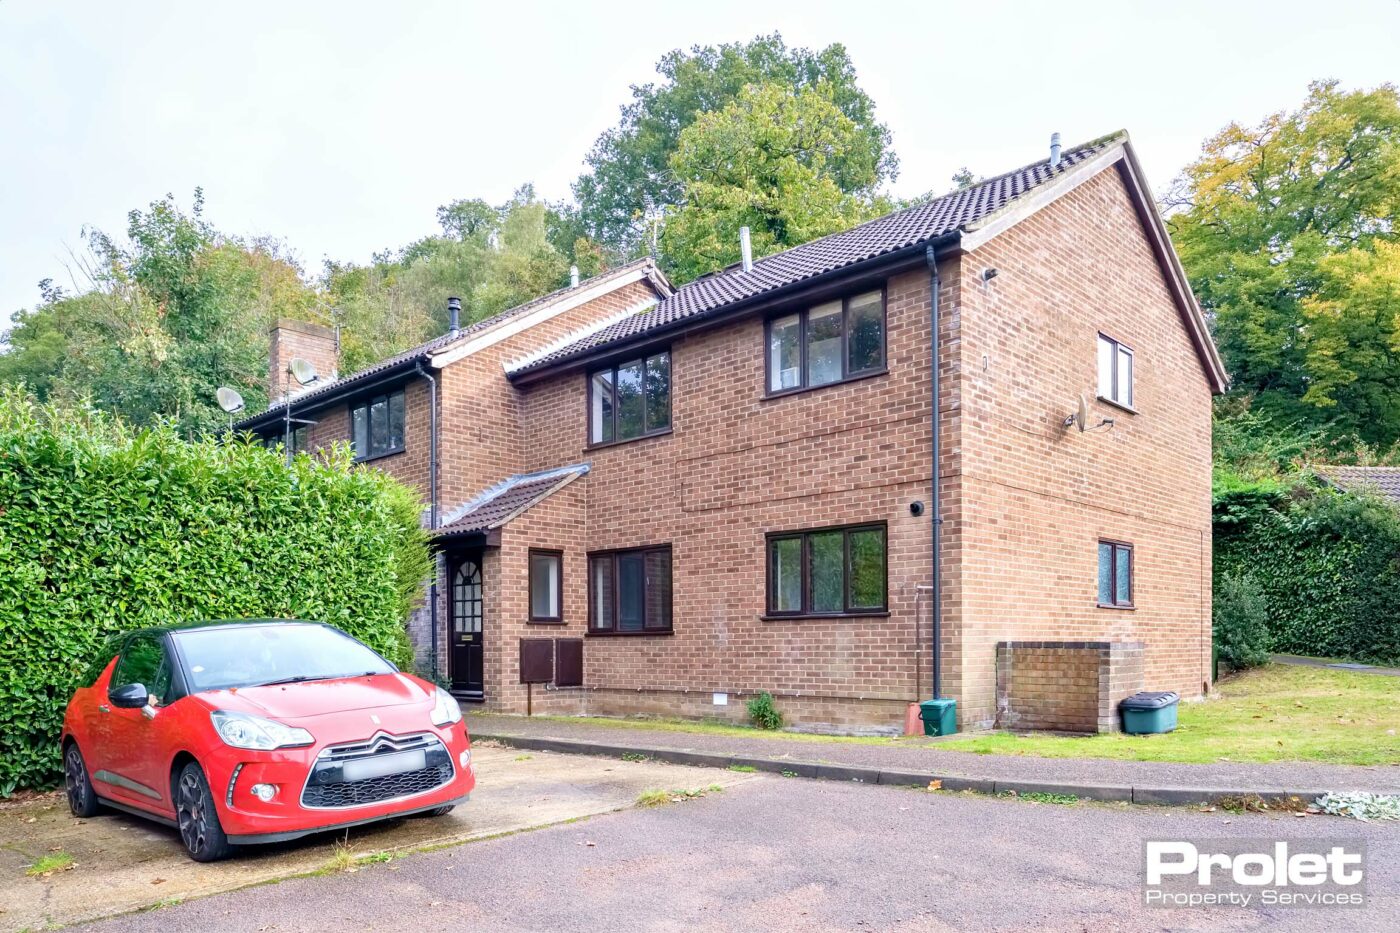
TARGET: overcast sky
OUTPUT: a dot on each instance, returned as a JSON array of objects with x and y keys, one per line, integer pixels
[{"x": 341, "y": 126}]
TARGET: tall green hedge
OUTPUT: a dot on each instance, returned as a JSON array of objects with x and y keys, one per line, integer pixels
[
  {"x": 104, "y": 529},
  {"x": 1327, "y": 565}
]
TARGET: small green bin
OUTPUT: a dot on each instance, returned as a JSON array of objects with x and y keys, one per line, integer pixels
[
  {"x": 940, "y": 716},
  {"x": 1149, "y": 713}
]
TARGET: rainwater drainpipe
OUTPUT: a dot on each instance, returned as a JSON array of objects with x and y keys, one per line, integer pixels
[
  {"x": 936, "y": 510},
  {"x": 433, "y": 512}
]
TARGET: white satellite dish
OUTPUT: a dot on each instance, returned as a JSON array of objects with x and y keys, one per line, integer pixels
[
  {"x": 229, "y": 400},
  {"x": 1081, "y": 416},
  {"x": 302, "y": 371}
]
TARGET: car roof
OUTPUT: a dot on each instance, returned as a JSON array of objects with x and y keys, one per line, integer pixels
[{"x": 215, "y": 624}]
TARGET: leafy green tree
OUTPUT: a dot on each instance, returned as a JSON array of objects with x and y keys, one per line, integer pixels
[
  {"x": 1262, "y": 221},
  {"x": 629, "y": 168},
  {"x": 171, "y": 313},
  {"x": 788, "y": 164}
]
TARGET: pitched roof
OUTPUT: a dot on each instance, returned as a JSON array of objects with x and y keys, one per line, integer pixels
[
  {"x": 507, "y": 499},
  {"x": 1382, "y": 480},
  {"x": 910, "y": 227},
  {"x": 425, "y": 351}
]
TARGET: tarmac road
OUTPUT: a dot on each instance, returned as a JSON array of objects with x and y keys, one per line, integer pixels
[{"x": 777, "y": 854}]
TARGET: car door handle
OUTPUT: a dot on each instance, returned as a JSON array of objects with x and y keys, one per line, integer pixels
[{"x": 103, "y": 708}]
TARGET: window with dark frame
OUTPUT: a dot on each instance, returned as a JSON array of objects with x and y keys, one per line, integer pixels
[
  {"x": 630, "y": 400},
  {"x": 1115, "y": 372},
  {"x": 827, "y": 572},
  {"x": 546, "y": 586},
  {"x": 300, "y": 437},
  {"x": 1115, "y": 574},
  {"x": 826, "y": 344},
  {"x": 629, "y": 592},
  {"x": 377, "y": 425}
]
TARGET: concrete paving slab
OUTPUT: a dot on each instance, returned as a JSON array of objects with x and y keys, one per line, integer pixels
[{"x": 122, "y": 863}]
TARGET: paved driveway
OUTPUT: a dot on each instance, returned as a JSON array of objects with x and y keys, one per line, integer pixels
[
  {"x": 791, "y": 854},
  {"x": 123, "y": 863}
]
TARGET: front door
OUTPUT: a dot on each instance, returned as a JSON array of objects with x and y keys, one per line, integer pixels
[{"x": 466, "y": 651}]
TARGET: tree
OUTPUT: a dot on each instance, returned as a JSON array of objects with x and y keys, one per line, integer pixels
[
  {"x": 169, "y": 315},
  {"x": 787, "y": 164},
  {"x": 1262, "y": 220},
  {"x": 629, "y": 168}
]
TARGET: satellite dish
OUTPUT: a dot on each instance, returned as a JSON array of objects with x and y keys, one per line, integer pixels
[
  {"x": 229, "y": 400},
  {"x": 1081, "y": 416},
  {"x": 302, "y": 371}
]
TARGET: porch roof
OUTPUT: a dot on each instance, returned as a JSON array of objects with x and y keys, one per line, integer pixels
[{"x": 497, "y": 505}]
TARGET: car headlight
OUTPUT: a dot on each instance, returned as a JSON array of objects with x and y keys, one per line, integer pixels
[
  {"x": 244, "y": 731},
  {"x": 446, "y": 710}
]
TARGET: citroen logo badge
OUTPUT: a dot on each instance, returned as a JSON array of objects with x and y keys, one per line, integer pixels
[{"x": 374, "y": 719}]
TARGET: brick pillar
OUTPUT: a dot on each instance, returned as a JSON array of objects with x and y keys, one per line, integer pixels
[{"x": 312, "y": 342}]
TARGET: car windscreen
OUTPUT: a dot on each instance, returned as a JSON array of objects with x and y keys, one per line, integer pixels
[{"x": 247, "y": 656}]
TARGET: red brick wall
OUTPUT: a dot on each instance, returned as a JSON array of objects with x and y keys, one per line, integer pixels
[
  {"x": 1035, "y": 498},
  {"x": 311, "y": 342}
]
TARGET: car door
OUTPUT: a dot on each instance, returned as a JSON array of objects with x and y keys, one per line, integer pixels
[{"x": 130, "y": 765}]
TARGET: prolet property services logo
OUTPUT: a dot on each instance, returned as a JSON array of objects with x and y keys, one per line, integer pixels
[{"x": 1254, "y": 873}]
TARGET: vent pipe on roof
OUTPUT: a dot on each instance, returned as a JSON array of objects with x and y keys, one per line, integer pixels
[
  {"x": 1054, "y": 150},
  {"x": 745, "y": 249},
  {"x": 573, "y": 276},
  {"x": 454, "y": 316}
]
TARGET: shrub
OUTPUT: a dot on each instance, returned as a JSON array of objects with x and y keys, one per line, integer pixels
[
  {"x": 1328, "y": 566},
  {"x": 105, "y": 529},
  {"x": 763, "y": 713},
  {"x": 1241, "y": 622}
]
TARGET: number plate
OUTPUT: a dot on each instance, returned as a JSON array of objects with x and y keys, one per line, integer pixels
[{"x": 382, "y": 765}]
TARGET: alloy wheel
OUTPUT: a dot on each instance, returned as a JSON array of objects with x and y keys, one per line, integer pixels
[
  {"x": 75, "y": 779},
  {"x": 194, "y": 820}
]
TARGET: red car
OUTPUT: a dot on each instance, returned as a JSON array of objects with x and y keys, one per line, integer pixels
[{"x": 260, "y": 731}]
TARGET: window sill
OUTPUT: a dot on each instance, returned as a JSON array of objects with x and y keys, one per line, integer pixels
[
  {"x": 1118, "y": 405},
  {"x": 546, "y": 622},
  {"x": 628, "y": 440},
  {"x": 653, "y": 633},
  {"x": 818, "y": 616},
  {"x": 1127, "y": 606},
  {"x": 784, "y": 393},
  {"x": 388, "y": 453}
]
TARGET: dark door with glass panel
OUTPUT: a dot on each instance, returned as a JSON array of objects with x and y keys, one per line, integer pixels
[{"x": 465, "y": 662}]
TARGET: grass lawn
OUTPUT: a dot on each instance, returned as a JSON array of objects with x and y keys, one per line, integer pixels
[{"x": 1276, "y": 713}]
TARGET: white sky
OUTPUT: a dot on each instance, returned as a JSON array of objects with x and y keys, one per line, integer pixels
[{"x": 341, "y": 126}]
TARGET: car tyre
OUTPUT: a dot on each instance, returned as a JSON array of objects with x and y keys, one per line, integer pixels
[
  {"x": 197, "y": 819},
  {"x": 436, "y": 811},
  {"x": 82, "y": 799}
]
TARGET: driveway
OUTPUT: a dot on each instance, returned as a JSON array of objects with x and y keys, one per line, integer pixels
[
  {"x": 780, "y": 854},
  {"x": 123, "y": 863}
]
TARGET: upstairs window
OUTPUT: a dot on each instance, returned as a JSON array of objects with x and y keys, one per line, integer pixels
[
  {"x": 376, "y": 425},
  {"x": 829, "y": 343},
  {"x": 299, "y": 440},
  {"x": 632, "y": 399},
  {"x": 1115, "y": 372},
  {"x": 832, "y": 571},
  {"x": 1115, "y": 575}
]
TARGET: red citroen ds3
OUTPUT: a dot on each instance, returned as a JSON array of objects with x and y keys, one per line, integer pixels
[{"x": 260, "y": 731}]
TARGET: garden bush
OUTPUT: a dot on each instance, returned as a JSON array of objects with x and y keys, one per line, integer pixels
[
  {"x": 105, "y": 529},
  {"x": 1241, "y": 621},
  {"x": 1327, "y": 564}
]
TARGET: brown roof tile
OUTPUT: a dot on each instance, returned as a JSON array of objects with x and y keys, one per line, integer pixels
[
  {"x": 507, "y": 499},
  {"x": 1382, "y": 480}
]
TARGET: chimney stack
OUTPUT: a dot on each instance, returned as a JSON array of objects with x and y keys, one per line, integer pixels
[
  {"x": 1054, "y": 150},
  {"x": 745, "y": 249},
  {"x": 314, "y": 343},
  {"x": 573, "y": 276},
  {"x": 454, "y": 316}
]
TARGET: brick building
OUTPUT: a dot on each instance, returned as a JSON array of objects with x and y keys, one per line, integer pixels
[{"x": 661, "y": 500}]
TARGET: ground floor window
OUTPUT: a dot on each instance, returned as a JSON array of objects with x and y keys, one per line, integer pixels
[
  {"x": 546, "y": 573},
  {"x": 629, "y": 592},
  {"x": 1115, "y": 574},
  {"x": 827, "y": 571}
]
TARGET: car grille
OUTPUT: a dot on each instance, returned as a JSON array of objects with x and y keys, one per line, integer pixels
[{"x": 326, "y": 789}]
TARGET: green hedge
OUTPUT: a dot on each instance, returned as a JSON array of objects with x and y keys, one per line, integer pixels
[
  {"x": 1326, "y": 563},
  {"x": 104, "y": 529}
]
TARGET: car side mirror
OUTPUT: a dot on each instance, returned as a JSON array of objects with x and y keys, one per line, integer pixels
[{"x": 129, "y": 696}]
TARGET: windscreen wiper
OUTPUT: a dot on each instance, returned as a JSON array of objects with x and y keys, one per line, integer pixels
[{"x": 299, "y": 679}]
